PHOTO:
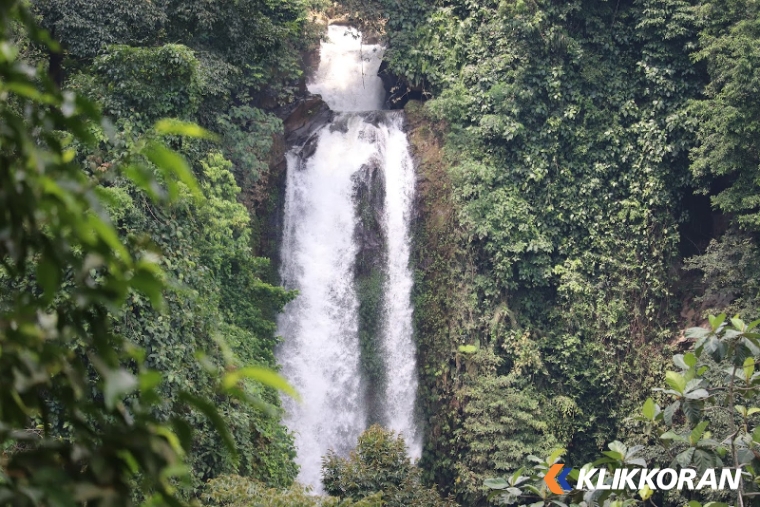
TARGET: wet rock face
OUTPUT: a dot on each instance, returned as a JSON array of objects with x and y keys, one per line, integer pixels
[
  {"x": 304, "y": 117},
  {"x": 301, "y": 120},
  {"x": 369, "y": 195},
  {"x": 370, "y": 279}
]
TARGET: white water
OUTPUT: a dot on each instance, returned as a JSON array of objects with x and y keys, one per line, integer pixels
[
  {"x": 398, "y": 345},
  {"x": 347, "y": 74},
  {"x": 320, "y": 351}
]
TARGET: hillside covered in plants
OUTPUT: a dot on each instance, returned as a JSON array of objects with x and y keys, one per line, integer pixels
[{"x": 587, "y": 200}]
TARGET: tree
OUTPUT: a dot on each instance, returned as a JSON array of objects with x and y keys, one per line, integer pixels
[
  {"x": 77, "y": 406},
  {"x": 378, "y": 464}
]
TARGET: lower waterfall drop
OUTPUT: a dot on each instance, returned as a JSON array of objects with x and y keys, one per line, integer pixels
[{"x": 323, "y": 246}]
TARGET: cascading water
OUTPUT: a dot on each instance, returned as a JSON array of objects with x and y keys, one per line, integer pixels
[{"x": 362, "y": 152}]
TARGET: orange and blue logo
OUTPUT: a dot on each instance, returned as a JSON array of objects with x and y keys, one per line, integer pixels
[{"x": 556, "y": 479}]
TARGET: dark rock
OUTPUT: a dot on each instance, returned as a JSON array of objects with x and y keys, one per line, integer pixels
[
  {"x": 305, "y": 117},
  {"x": 370, "y": 279},
  {"x": 310, "y": 59},
  {"x": 270, "y": 207},
  {"x": 369, "y": 192},
  {"x": 399, "y": 90},
  {"x": 375, "y": 118},
  {"x": 340, "y": 124},
  {"x": 309, "y": 147}
]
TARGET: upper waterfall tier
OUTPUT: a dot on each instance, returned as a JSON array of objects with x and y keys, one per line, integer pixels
[{"x": 347, "y": 76}]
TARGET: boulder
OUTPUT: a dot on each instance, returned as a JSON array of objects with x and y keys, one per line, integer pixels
[{"x": 305, "y": 117}]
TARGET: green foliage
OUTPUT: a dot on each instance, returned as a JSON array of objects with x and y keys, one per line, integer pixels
[
  {"x": 83, "y": 413},
  {"x": 87, "y": 27},
  {"x": 504, "y": 422},
  {"x": 235, "y": 491},
  {"x": 714, "y": 386},
  {"x": 172, "y": 271},
  {"x": 219, "y": 304},
  {"x": 369, "y": 290},
  {"x": 568, "y": 146},
  {"x": 727, "y": 118},
  {"x": 378, "y": 464},
  {"x": 730, "y": 275},
  {"x": 527, "y": 484},
  {"x": 239, "y": 29},
  {"x": 569, "y": 129},
  {"x": 573, "y": 130},
  {"x": 247, "y": 138},
  {"x": 148, "y": 83}
]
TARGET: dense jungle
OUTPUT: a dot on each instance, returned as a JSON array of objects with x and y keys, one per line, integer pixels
[{"x": 584, "y": 247}]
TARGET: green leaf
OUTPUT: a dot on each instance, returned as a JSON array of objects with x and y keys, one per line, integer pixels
[
  {"x": 669, "y": 411},
  {"x": 555, "y": 455},
  {"x": 264, "y": 375},
  {"x": 209, "y": 410},
  {"x": 715, "y": 322},
  {"x": 737, "y": 323},
  {"x": 684, "y": 458},
  {"x": 697, "y": 394},
  {"x": 676, "y": 381},
  {"x": 693, "y": 410},
  {"x": 108, "y": 235},
  {"x": 648, "y": 410},
  {"x": 697, "y": 333},
  {"x": 143, "y": 179},
  {"x": 48, "y": 276},
  {"x": 697, "y": 432},
  {"x": 117, "y": 384},
  {"x": 172, "y": 165},
  {"x": 30, "y": 92},
  {"x": 170, "y": 126},
  {"x": 149, "y": 380},
  {"x": 671, "y": 435},
  {"x": 749, "y": 368},
  {"x": 147, "y": 283},
  {"x": 618, "y": 447},
  {"x": 497, "y": 483},
  {"x": 515, "y": 479},
  {"x": 183, "y": 431},
  {"x": 467, "y": 349},
  {"x": 679, "y": 361}
]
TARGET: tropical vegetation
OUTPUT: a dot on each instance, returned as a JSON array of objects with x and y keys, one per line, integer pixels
[{"x": 589, "y": 187}]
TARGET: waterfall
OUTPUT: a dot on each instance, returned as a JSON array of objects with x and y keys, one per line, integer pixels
[
  {"x": 347, "y": 74},
  {"x": 348, "y": 203}
]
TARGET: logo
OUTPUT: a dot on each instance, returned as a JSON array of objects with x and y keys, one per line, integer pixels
[
  {"x": 556, "y": 479},
  {"x": 662, "y": 479}
]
